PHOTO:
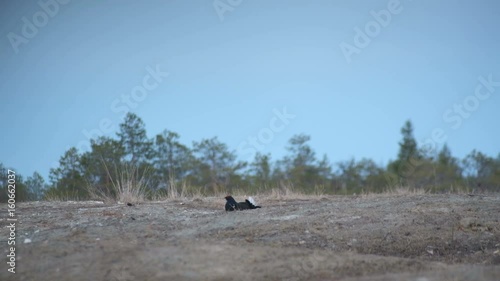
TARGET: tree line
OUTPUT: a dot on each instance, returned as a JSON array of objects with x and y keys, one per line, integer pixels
[{"x": 211, "y": 167}]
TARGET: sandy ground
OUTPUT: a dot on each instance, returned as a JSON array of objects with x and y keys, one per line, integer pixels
[{"x": 374, "y": 237}]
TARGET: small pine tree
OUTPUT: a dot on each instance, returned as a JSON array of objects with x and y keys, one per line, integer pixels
[{"x": 133, "y": 138}]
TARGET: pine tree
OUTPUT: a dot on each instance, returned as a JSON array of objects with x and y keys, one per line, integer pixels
[
  {"x": 217, "y": 162},
  {"x": 133, "y": 138},
  {"x": 408, "y": 156},
  {"x": 261, "y": 169},
  {"x": 172, "y": 159},
  {"x": 447, "y": 173},
  {"x": 36, "y": 186},
  {"x": 21, "y": 190},
  {"x": 408, "y": 146},
  {"x": 300, "y": 165},
  {"x": 102, "y": 163},
  {"x": 482, "y": 172},
  {"x": 68, "y": 180}
]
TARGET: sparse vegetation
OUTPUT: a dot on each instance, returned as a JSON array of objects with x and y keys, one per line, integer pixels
[
  {"x": 129, "y": 185},
  {"x": 133, "y": 167}
]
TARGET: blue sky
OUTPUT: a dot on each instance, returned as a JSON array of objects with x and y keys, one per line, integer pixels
[{"x": 230, "y": 68}]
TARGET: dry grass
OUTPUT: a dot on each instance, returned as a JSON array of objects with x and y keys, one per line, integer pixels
[
  {"x": 398, "y": 191},
  {"x": 180, "y": 192},
  {"x": 61, "y": 196},
  {"x": 129, "y": 186},
  {"x": 287, "y": 191},
  {"x": 284, "y": 191},
  {"x": 186, "y": 193}
]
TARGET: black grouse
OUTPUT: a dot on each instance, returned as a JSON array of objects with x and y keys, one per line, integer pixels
[{"x": 232, "y": 205}]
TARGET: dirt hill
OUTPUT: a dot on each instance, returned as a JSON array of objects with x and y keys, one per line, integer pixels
[{"x": 372, "y": 237}]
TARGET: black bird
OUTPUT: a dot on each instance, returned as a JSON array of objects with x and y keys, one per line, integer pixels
[{"x": 232, "y": 205}]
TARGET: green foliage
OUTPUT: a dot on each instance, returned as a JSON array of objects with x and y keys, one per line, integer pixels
[
  {"x": 301, "y": 166},
  {"x": 481, "y": 171},
  {"x": 408, "y": 146},
  {"x": 260, "y": 170},
  {"x": 172, "y": 160},
  {"x": 99, "y": 165},
  {"x": 216, "y": 165},
  {"x": 447, "y": 173},
  {"x": 133, "y": 138},
  {"x": 36, "y": 186},
  {"x": 22, "y": 191},
  {"x": 68, "y": 180},
  {"x": 408, "y": 155},
  {"x": 362, "y": 176}
]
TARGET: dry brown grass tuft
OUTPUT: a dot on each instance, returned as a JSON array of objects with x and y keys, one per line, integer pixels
[
  {"x": 398, "y": 191},
  {"x": 61, "y": 196},
  {"x": 286, "y": 191},
  {"x": 129, "y": 186}
]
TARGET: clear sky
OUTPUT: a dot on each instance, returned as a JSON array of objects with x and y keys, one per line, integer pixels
[{"x": 349, "y": 73}]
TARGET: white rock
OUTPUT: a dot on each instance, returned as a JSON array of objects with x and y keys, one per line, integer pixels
[{"x": 27, "y": 241}]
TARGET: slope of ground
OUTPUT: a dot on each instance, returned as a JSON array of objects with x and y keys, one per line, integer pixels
[{"x": 374, "y": 237}]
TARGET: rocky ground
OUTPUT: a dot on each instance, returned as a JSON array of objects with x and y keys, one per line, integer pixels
[{"x": 372, "y": 237}]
